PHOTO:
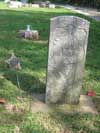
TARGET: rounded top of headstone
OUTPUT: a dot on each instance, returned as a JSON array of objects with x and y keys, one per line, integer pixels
[{"x": 70, "y": 18}]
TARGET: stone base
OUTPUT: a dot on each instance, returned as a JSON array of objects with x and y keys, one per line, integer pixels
[{"x": 85, "y": 106}]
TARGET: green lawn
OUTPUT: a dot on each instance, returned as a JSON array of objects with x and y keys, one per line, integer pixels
[{"x": 33, "y": 56}]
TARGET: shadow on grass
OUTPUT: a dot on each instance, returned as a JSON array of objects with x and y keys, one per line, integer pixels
[{"x": 28, "y": 83}]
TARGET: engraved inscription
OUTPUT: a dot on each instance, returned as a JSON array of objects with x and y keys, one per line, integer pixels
[{"x": 66, "y": 59}]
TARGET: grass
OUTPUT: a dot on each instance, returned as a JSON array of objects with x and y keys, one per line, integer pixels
[
  {"x": 50, "y": 123},
  {"x": 33, "y": 57}
]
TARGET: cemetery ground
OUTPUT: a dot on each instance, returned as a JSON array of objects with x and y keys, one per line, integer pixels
[{"x": 33, "y": 57}]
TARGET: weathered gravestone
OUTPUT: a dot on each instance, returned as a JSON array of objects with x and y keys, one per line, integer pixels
[{"x": 66, "y": 59}]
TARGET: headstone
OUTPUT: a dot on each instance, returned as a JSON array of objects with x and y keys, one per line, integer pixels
[
  {"x": 35, "y": 5},
  {"x": 47, "y": 3},
  {"x": 52, "y": 6},
  {"x": 32, "y": 35},
  {"x": 42, "y": 4},
  {"x": 29, "y": 34},
  {"x": 15, "y": 4},
  {"x": 66, "y": 59}
]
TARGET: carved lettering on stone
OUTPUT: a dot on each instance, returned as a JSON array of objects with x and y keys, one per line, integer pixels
[{"x": 66, "y": 59}]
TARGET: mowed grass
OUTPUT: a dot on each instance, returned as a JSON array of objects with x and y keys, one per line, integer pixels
[{"x": 33, "y": 57}]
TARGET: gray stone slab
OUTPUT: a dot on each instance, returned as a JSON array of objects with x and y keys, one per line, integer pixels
[
  {"x": 66, "y": 59},
  {"x": 85, "y": 105}
]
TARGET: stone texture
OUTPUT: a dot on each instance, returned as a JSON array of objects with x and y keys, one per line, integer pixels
[
  {"x": 13, "y": 62},
  {"x": 42, "y": 4},
  {"x": 35, "y": 5},
  {"x": 15, "y": 4},
  {"x": 85, "y": 105},
  {"x": 47, "y": 3},
  {"x": 66, "y": 59},
  {"x": 38, "y": 105},
  {"x": 51, "y": 6}
]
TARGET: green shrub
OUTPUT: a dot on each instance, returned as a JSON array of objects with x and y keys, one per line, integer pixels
[{"x": 88, "y": 3}]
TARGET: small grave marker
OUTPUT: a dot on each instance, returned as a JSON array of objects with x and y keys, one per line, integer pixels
[
  {"x": 13, "y": 62},
  {"x": 29, "y": 34}
]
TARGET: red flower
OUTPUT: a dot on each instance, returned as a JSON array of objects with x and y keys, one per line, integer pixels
[
  {"x": 2, "y": 101},
  {"x": 90, "y": 93}
]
